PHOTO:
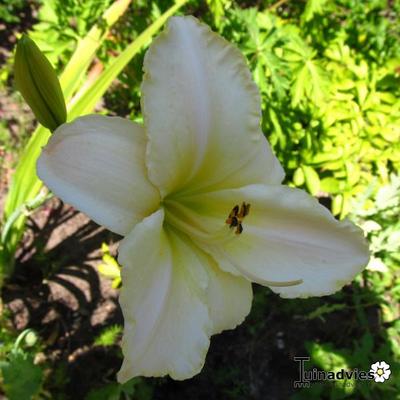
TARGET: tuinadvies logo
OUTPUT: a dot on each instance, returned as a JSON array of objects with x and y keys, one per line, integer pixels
[{"x": 379, "y": 372}]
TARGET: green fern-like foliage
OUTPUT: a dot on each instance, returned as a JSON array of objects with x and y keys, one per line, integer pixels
[{"x": 109, "y": 336}]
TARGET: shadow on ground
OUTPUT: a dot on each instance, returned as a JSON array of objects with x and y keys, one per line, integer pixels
[{"x": 57, "y": 291}]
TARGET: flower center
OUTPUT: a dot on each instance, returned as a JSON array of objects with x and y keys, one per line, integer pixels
[
  {"x": 200, "y": 226},
  {"x": 379, "y": 371},
  {"x": 236, "y": 216},
  {"x": 207, "y": 230}
]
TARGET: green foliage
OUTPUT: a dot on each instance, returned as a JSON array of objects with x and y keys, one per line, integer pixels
[
  {"x": 361, "y": 355},
  {"x": 260, "y": 37},
  {"x": 313, "y": 8},
  {"x": 9, "y": 10},
  {"x": 324, "y": 310},
  {"x": 135, "y": 389},
  {"x": 370, "y": 27},
  {"x": 21, "y": 377},
  {"x": 109, "y": 336},
  {"x": 380, "y": 219},
  {"x": 110, "y": 267},
  {"x": 217, "y": 8},
  {"x": 63, "y": 24}
]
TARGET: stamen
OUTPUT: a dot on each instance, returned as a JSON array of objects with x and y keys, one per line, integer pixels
[
  {"x": 246, "y": 209},
  {"x": 235, "y": 222},
  {"x": 181, "y": 221},
  {"x": 239, "y": 229},
  {"x": 236, "y": 216}
]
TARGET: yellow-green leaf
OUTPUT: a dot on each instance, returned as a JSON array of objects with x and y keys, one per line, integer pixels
[{"x": 311, "y": 179}]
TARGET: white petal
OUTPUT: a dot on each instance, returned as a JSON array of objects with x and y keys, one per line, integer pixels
[
  {"x": 202, "y": 113},
  {"x": 167, "y": 324},
  {"x": 96, "y": 163},
  {"x": 374, "y": 367},
  {"x": 229, "y": 297},
  {"x": 383, "y": 365},
  {"x": 386, "y": 374},
  {"x": 289, "y": 241}
]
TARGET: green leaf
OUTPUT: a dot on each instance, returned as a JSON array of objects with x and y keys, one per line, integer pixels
[
  {"x": 298, "y": 177},
  {"x": 363, "y": 349},
  {"x": 324, "y": 310},
  {"x": 25, "y": 186},
  {"x": 22, "y": 379},
  {"x": 109, "y": 271},
  {"x": 110, "y": 267},
  {"x": 353, "y": 171},
  {"x": 109, "y": 336},
  {"x": 278, "y": 129},
  {"x": 77, "y": 66},
  {"x": 337, "y": 204},
  {"x": 362, "y": 92},
  {"x": 217, "y": 8},
  {"x": 346, "y": 205},
  {"x": 313, "y": 7},
  {"x": 312, "y": 179},
  {"x": 310, "y": 83},
  {"x": 328, "y": 358},
  {"x": 330, "y": 185},
  {"x": 322, "y": 158},
  {"x": 111, "y": 391},
  {"x": 137, "y": 387}
]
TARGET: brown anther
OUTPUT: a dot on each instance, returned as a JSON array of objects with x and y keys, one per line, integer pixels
[
  {"x": 232, "y": 216},
  {"x": 235, "y": 222},
  {"x": 239, "y": 229},
  {"x": 236, "y": 216},
  {"x": 244, "y": 210}
]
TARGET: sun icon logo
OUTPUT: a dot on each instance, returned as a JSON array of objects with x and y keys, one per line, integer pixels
[{"x": 381, "y": 371}]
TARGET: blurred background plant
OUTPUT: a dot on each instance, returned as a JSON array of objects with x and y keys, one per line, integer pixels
[{"x": 329, "y": 76}]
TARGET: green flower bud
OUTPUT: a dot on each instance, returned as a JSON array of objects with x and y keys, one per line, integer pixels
[
  {"x": 37, "y": 81},
  {"x": 31, "y": 338}
]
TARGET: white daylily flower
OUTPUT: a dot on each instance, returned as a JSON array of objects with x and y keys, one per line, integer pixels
[{"x": 197, "y": 194}]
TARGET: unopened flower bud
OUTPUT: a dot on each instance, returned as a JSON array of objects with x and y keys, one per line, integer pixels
[{"x": 37, "y": 81}]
